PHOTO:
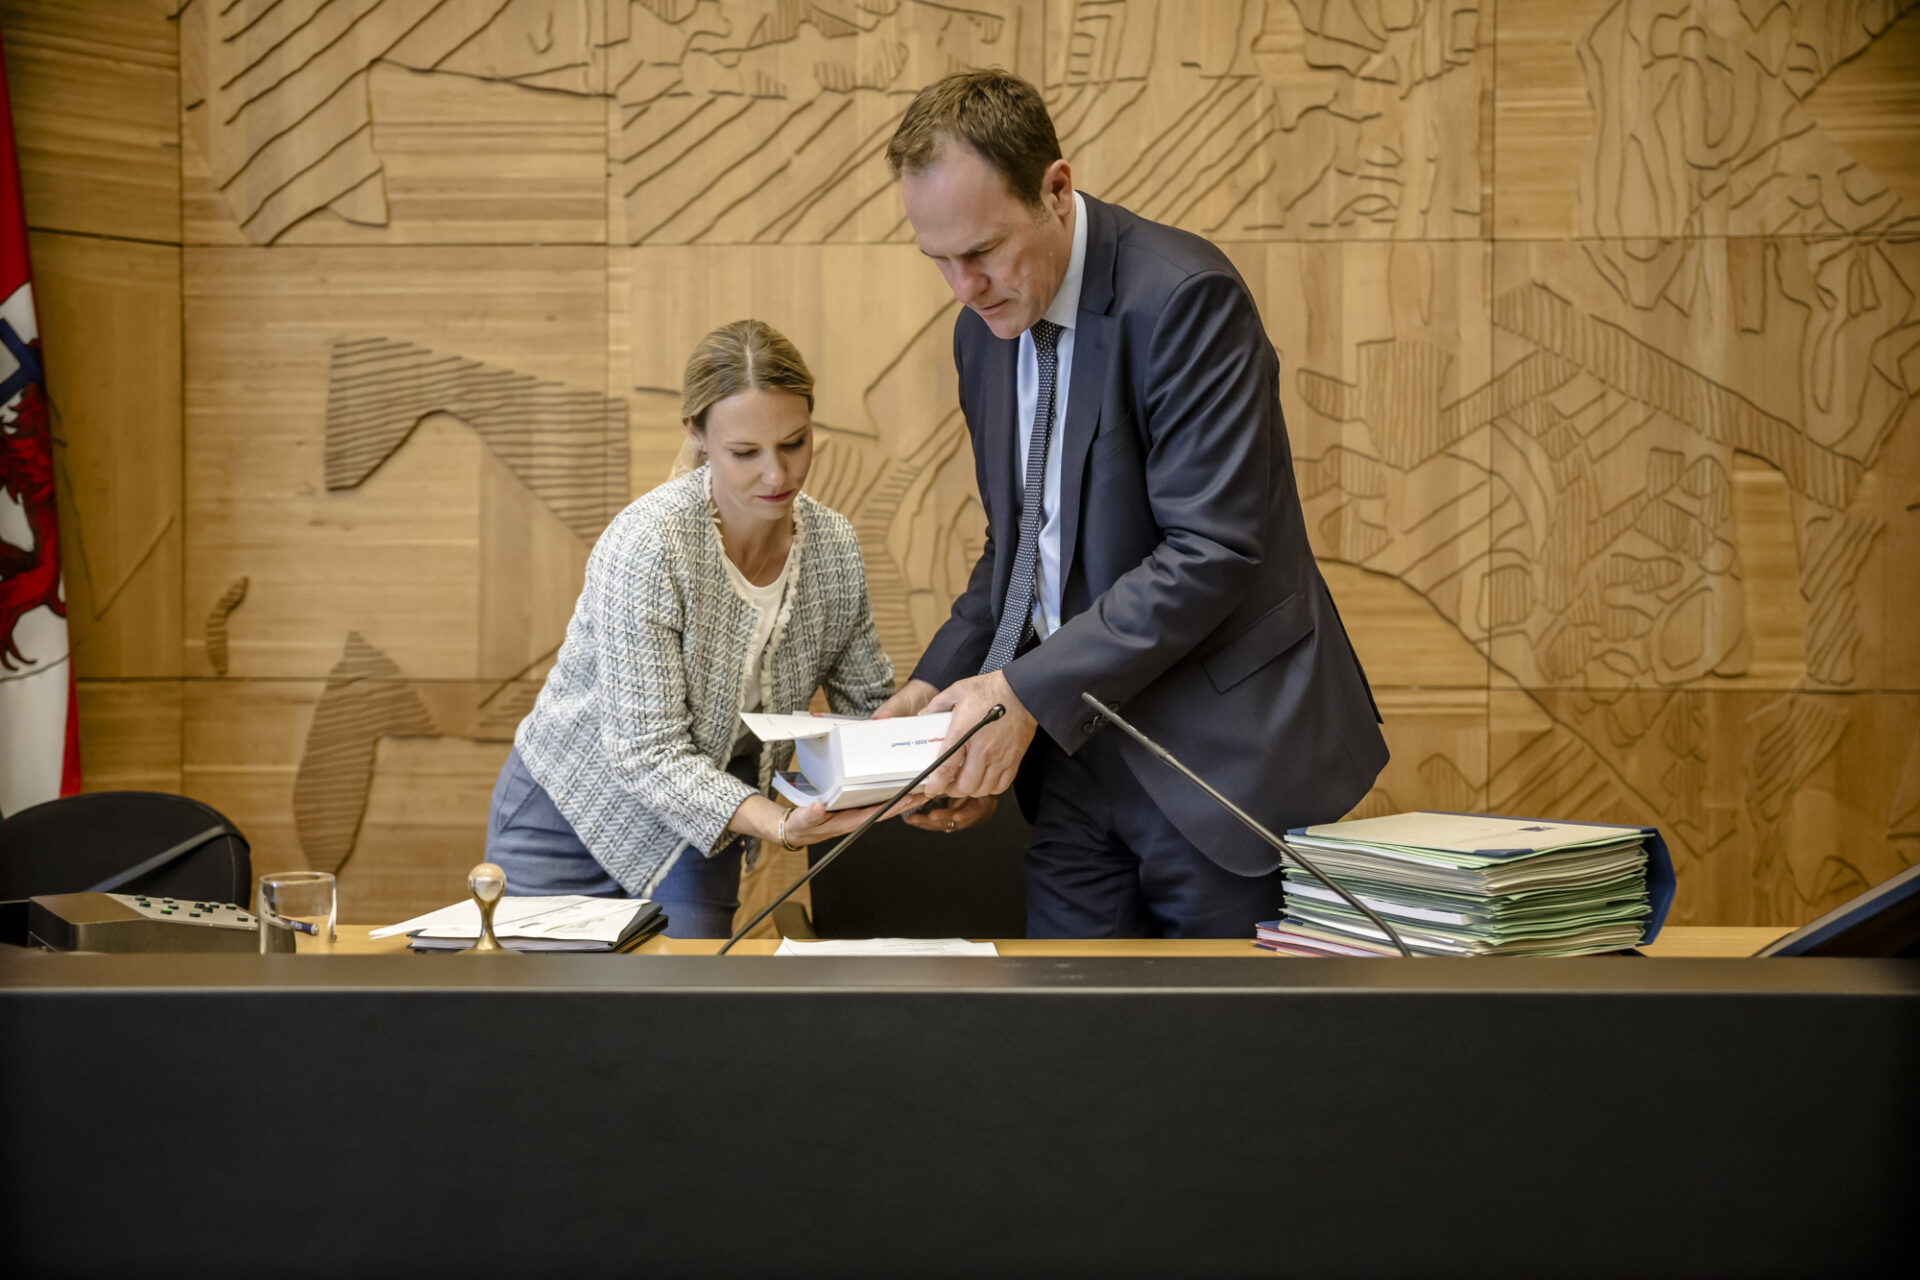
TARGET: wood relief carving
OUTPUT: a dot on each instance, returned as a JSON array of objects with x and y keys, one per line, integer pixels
[
  {"x": 275, "y": 94},
  {"x": 1808, "y": 820},
  {"x": 1342, "y": 120},
  {"x": 761, "y": 122},
  {"x": 907, "y": 488},
  {"x": 217, "y": 623},
  {"x": 1242, "y": 120},
  {"x": 866, "y": 484},
  {"x": 1709, "y": 124},
  {"x": 765, "y": 121},
  {"x": 366, "y": 699},
  {"x": 570, "y": 447}
]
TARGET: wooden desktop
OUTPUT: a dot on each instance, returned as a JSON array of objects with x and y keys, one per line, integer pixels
[{"x": 1674, "y": 942}]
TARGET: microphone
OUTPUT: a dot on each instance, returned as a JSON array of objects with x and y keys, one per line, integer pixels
[
  {"x": 1285, "y": 850},
  {"x": 994, "y": 712}
]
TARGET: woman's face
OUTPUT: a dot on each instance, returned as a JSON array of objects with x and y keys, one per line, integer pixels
[{"x": 760, "y": 446}]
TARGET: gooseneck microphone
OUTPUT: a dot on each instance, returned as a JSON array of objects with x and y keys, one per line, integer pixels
[
  {"x": 1286, "y": 851},
  {"x": 993, "y": 713}
]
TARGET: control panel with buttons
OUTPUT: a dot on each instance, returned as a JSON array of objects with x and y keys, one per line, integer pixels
[
  {"x": 216, "y": 915},
  {"x": 136, "y": 922}
]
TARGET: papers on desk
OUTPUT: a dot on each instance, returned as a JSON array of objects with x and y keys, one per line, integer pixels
[
  {"x": 845, "y": 763},
  {"x": 571, "y": 922},
  {"x": 1474, "y": 884},
  {"x": 887, "y": 947}
]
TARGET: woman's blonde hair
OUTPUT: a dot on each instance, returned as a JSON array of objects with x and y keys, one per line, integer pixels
[{"x": 747, "y": 355}]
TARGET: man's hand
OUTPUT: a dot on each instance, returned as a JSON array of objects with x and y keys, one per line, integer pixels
[
  {"x": 914, "y": 695},
  {"x": 986, "y": 765},
  {"x": 957, "y": 816}
]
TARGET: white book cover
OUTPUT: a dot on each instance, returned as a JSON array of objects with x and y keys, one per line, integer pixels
[{"x": 839, "y": 757}]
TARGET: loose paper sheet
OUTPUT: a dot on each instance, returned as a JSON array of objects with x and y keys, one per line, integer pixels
[{"x": 785, "y": 728}]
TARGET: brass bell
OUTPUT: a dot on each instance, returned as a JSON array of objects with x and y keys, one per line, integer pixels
[{"x": 488, "y": 884}]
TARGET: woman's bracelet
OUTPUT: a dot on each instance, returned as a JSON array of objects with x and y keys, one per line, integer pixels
[{"x": 780, "y": 834}]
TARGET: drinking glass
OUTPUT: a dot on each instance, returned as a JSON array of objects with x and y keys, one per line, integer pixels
[{"x": 302, "y": 902}]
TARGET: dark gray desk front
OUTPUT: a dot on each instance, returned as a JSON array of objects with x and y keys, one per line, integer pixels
[{"x": 693, "y": 1116}]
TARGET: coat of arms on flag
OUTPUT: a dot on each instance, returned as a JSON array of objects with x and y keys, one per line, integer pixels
[{"x": 39, "y": 741}]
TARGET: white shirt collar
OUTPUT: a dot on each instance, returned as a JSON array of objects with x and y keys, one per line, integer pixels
[{"x": 1066, "y": 303}]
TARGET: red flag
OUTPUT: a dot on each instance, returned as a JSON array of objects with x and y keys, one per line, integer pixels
[{"x": 39, "y": 722}]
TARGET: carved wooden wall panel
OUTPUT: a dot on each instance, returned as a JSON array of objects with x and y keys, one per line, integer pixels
[
  {"x": 1688, "y": 118},
  {"x": 1596, "y": 318},
  {"x": 110, "y": 309},
  {"x": 96, "y": 102},
  {"x": 130, "y": 732},
  {"x": 342, "y": 407}
]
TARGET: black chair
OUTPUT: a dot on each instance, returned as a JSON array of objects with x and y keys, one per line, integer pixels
[
  {"x": 900, "y": 882},
  {"x": 125, "y": 842}
]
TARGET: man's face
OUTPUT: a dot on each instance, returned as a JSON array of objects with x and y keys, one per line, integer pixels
[{"x": 1000, "y": 256}]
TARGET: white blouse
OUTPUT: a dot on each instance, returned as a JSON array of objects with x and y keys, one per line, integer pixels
[{"x": 765, "y": 603}]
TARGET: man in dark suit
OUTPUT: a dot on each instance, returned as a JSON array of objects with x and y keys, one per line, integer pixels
[{"x": 1145, "y": 543}]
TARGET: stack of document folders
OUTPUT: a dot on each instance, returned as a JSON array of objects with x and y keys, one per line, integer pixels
[
  {"x": 571, "y": 922},
  {"x": 1474, "y": 884}
]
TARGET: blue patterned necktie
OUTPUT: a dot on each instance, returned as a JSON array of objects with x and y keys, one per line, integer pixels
[{"x": 1016, "y": 621}]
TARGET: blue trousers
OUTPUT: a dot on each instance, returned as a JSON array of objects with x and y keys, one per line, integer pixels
[
  {"x": 1104, "y": 862},
  {"x": 542, "y": 856}
]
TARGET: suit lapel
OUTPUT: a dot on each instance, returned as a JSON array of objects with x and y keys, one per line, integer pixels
[{"x": 1092, "y": 352}]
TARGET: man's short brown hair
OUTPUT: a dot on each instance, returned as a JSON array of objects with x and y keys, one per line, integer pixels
[{"x": 996, "y": 113}]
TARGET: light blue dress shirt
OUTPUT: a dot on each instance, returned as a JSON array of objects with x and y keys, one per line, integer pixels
[{"x": 1064, "y": 311}]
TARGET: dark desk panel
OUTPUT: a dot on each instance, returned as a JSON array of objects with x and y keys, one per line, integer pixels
[{"x": 689, "y": 1116}]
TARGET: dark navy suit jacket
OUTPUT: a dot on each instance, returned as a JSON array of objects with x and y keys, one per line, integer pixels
[{"x": 1190, "y": 596}]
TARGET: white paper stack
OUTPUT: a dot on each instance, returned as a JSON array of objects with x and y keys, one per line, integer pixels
[
  {"x": 1466, "y": 885},
  {"x": 846, "y": 763}
]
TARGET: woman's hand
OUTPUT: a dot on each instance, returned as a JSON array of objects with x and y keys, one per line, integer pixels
[
  {"x": 957, "y": 816},
  {"x": 815, "y": 823}
]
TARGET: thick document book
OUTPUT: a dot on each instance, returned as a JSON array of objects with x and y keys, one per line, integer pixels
[
  {"x": 1475, "y": 884},
  {"x": 845, "y": 763}
]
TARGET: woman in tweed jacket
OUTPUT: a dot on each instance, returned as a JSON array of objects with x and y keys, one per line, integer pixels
[{"x": 724, "y": 590}]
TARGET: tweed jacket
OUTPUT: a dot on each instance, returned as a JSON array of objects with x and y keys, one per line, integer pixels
[{"x": 633, "y": 728}]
